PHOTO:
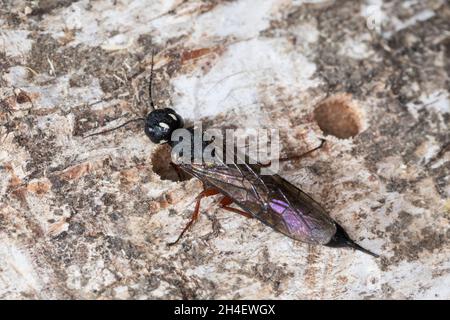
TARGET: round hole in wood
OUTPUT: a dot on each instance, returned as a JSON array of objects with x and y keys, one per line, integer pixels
[{"x": 340, "y": 116}]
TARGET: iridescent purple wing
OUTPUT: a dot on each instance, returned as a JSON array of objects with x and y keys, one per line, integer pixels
[{"x": 269, "y": 198}]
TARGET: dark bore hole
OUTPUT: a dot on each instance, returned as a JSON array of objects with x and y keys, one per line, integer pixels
[
  {"x": 22, "y": 97},
  {"x": 339, "y": 116},
  {"x": 161, "y": 163}
]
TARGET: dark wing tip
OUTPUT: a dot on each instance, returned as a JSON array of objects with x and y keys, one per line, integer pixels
[{"x": 341, "y": 239}]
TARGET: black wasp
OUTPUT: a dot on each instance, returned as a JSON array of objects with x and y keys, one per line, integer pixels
[{"x": 268, "y": 198}]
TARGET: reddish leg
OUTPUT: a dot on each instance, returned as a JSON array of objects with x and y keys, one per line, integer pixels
[
  {"x": 205, "y": 193},
  {"x": 225, "y": 204},
  {"x": 297, "y": 156}
]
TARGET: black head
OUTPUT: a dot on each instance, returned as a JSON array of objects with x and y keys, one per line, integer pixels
[{"x": 161, "y": 123}]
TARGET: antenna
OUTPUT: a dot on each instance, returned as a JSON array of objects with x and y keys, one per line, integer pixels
[
  {"x": 112, "y": 129},
  {"x": 152, "y": 104}
]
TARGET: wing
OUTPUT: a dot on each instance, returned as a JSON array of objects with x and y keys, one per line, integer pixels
[{"x": 269, "y": 198}]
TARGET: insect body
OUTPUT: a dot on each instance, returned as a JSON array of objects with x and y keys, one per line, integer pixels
[{"x": 268, "y": 198}]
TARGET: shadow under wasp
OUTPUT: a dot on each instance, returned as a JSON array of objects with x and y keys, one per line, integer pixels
[{"x": 269, "y": 198}]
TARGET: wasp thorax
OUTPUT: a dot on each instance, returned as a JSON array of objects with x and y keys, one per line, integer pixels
[{"x": 161, "y": 123}]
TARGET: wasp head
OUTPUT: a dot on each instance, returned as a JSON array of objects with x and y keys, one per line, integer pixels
[{"x": 161, "y": 123}]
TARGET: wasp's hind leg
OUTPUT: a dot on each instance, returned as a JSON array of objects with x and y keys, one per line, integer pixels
[
  {"x": 225, "y": 204},
  {"x": 204, "y": 194},
  {"x": 296, "y": 157}
]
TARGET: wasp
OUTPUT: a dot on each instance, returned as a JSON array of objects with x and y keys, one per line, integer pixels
[{"x": 269, "y": 198}]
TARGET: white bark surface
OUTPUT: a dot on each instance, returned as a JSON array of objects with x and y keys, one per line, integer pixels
[{"x": 90, "y": 218}]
